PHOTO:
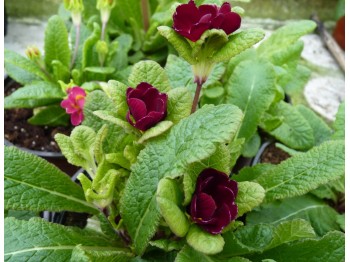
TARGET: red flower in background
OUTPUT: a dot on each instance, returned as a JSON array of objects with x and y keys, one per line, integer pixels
[
  {"x": 74, "y": 104},
  {"x": 147, "y": 106},
  {"x": 213, "y": 204},
  {"x": 191, "y": 21}
]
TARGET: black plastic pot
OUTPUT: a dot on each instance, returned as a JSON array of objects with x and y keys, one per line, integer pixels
[{"x": 55, "y": 158}]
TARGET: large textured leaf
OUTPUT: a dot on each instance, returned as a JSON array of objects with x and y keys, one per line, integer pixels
[
  {"x": 23, "y": 70},
  {"x": 34, "y": 95},
  {"x": 31, "y": 183},
  {"x": 330, "y": 248},
  {"x": 98, "y": 254},
  {"x": 321, "y": 216},
  {"x": 38, "y": 240},
  {"x": 294, "y": 131},
  {"x": 261, "y": 237},
  {"x": 56, "y": 42},
  {"x": 321, "y": 131},
  {"x": 304, "y": 172},
  {"x": 285, "y": 36},
  {"x": 251, "y": 87},
  {"x": 150, "y": 72},
  {"x": 191, "y": 140},
  {"x": 237, "y": 43},
  {"x": 339, "y": 123}
]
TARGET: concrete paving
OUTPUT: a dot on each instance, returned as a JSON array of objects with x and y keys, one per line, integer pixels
[{"x": 323, "y": 93}]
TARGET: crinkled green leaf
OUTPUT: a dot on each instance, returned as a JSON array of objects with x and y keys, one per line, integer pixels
[
  {"x": 155, "y": 131},
  {"x": 83, "y": 139},
  {"x": 261, "y": 237},
  {"x": 285, "y": 36},
  {"x": 56, "y": 43},
  {"x": 98, "y": 254},
  {"x": 118, "y": 58},
  {"x": 39, "y": 240},
  {"x": 178, "y": 42},
  {"x": 31, "y": 183},
  {"x": 34, "y": 95},
  {"x": 287, "y": 55},
  {"x": 21, "y": 214},
  {"x": 21, "y": 69},
  {"x": 169, "y": 199},
  {"x": 321, "y": 216},
  {"x": 251, "y": 87},
  {"x": 295, "y": 131},
  {"x": 98, "y": 146},
  {"x": 304, "y": 172},
  {"x": 330, "y": 248},
  {"x": 188, "y": 254},
  {"x": 116, "y": 91},
  {"x": 339, "y": 123},
  {"x": 90, "y": 56},
  {"x": 321, "y": 130},
  {"x": 193, "y": 139},
  {"x": 50, "y": 116},
  {"x": 250, "y": 173},
  {"x": 203, "y": 241},
  {"x": 117, "y": 138},
  {"x": 237, "y": 43},
  {"x": 250, "y": 195},
  {"x": 168, "y": 244},
  {"x": 341, "y": 221},
  {"x": 150, "y": 72},
  {"x": 179, "y": 104}
]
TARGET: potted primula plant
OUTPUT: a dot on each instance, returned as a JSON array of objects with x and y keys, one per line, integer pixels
[{"x": 158, "y": 153}]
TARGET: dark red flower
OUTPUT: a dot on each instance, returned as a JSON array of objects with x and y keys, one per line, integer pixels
[
  {"x": 213, "y": 204},
  {"x": 191, "y": 21},
  {"x": 74, "y": 104},
  {"x": 147, "y": 106}
]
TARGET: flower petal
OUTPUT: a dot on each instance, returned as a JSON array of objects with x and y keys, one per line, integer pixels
[
  {"x": 76, "y": 90},
  {"x": 139, "y": 91},
  {"x": 197, "y": 31},
  {"x": 231, "y": 22},
  {"x": 150, "y": 98},
  {"x": 222, "y": 218},
  {"x": 76, "y": 118},
  {"x": 185, "y": 16},
  {"x": 225, "y": 8},
  {"x": 205, "y": 207},
  {"x": 208, "y": 9},
  {"x": 137, "y": 108},
  {"x": 146, "y": 123},
  {"x": 223, "y": 195}
]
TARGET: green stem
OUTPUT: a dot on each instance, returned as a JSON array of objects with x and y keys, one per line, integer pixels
[
  {"x": 76, "y": 46},
  {"x": 196, "y": 97}
]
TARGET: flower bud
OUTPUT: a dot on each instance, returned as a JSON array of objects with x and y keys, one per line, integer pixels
[
  {"x": 102, "y": 50},
  {"x": 33, "y": 53},
  {"x": 105, "y": 7},
  {"x": 75, "y": 6}
]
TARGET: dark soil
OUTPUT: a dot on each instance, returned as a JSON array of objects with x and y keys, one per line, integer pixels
[
  {"x": 20, "y": 133},
  {"x": 273, "y": 155},
  {"x": 71, "y": 219}
]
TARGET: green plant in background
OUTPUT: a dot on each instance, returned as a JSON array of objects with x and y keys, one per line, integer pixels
[{"x": 159, "y": 184}]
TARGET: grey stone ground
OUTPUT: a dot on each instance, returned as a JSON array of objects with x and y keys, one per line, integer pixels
[{"x": 324, "y": 91}]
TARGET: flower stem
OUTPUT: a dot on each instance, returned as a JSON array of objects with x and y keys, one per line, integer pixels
[
  {"x": 103, "y": 32},
  {"x": 145, "y": 14},
  {"x": 76, "y": 46},
  {"x": 196, "y": 96}
]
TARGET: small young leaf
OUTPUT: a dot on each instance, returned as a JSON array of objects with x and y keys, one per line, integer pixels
[
  {"x": 98, "y": 254},
  {"x": 31, "y": 183},
  {"x": 169, "y": 198},
  {"x": 204, "y": 242},
  {"x": 252, "y": 146},
  {"x": 60, "y": 71},
  {"x": 179, "y": 104},
  {"x": 150, "y": 72},
  {"x": 237, "y": 43},
  {"x": 168, "y": 244},
  {"x": 250, "y": 195},
  {"x": 23, "y": 70},
  {"x": 56, "y": 43},
  {"x": 117, "y": 92},
  {"x": 155, "y": 131},
  {"x": 304, "y": 172},
  {"x": 178, "y": 42}
]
